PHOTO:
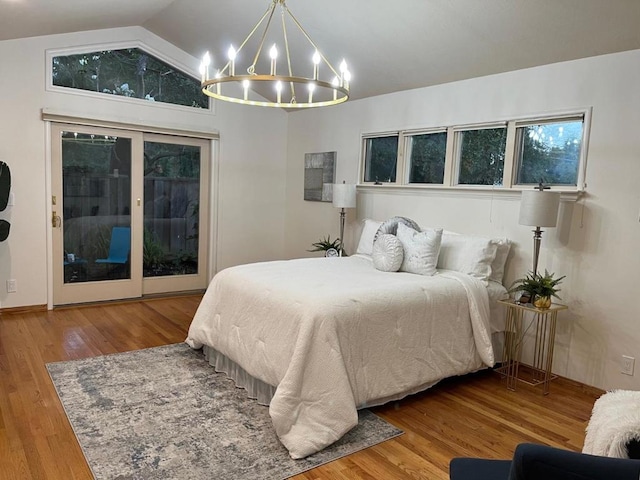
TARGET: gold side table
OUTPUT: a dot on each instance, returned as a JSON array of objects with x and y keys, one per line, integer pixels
[{"x": 544, "y": 321}]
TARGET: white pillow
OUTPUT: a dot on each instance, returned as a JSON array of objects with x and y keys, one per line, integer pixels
[
  {"x": 387, "y": 253},
  {"x": 503, "y": 245},
  {"x": 365, "y": 245},
  {"x": 421, "y": 249},
  {"x": 467, "y": 254}
]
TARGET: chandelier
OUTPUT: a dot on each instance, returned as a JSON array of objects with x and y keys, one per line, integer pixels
[{"x": 322, "y": 86}]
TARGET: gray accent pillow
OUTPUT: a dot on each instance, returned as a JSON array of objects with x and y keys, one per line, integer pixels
[
  {"x": 387, "y": 253},
  {"x": 391, "y": 226}
]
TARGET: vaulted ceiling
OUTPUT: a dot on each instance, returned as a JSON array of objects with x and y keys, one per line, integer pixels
[{"x": 391, "y": 45}]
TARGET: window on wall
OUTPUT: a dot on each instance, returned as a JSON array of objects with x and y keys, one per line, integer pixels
[
  {"x": 127, "y": 72},
  {"x": 381, "y": 155},
  {"x": 549, "y": 152},
  {"x": 426, "y": 153},
  {"x": 480, "y": 156},
  {"x": 510, "y": 154}
]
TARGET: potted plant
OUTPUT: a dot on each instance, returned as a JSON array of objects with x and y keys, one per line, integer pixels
[
  {"x": 331, "y": 248},
  {"x": 537, "y": 288}
]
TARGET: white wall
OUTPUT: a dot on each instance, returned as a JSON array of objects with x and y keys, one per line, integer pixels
[
  {"x": 252, "y": 153},
  {"x": 596, "y": 240}
]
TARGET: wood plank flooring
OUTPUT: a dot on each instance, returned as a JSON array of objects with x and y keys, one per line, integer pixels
[{"x": 468, "y": 416}]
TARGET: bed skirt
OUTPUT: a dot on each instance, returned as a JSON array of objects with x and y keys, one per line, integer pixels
[{"x": 256, "y": 389}]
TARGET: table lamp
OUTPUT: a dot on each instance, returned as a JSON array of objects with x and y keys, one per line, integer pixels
[
  {"x": 539, "y": 208},
  {"x": 344, "y": 196}
]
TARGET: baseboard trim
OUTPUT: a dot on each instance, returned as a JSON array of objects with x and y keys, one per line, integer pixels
[
  {"x": 24, "y": 309},
  {"x": 144, "y": 298}
]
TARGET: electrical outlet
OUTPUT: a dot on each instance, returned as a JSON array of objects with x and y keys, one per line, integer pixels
[
  {"x": 628, "y": 364},
  {"x": 12, "y": 286}
]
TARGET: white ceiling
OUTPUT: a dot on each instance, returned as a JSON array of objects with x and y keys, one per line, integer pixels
[{"x": 391, "y": 45}]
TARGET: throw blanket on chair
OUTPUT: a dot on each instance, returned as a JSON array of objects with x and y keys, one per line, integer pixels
[{"x": 614, "y": 424}]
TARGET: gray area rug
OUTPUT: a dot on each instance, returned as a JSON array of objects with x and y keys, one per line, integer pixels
[{"x": 164, "y": 413}]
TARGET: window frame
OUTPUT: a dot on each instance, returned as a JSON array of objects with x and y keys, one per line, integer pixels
[
  {"x": 408, "y": 148},
  {"x": 457, "y": 152},
  {"x": 399, "y": 157},
  {"x": 85, "y": 49},
  {"x": 518, "y": 152},
  {"x": 511, "y": 154}
]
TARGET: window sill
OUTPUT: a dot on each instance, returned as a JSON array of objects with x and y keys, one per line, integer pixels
[{"x": 457, "y": 191}]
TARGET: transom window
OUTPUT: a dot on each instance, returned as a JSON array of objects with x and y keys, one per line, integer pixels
[
  {"x": 381, "y": 159},
  {"x": 509, "y": 154},
  {"x": 549, "y": 152},
  {"x": 426, "y": 153},
  {"x": 128, "y": 72},
  {"x": 480, "y": 156}
]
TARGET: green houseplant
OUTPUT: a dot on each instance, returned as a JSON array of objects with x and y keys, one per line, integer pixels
[
  {"x": 326, "y": 244},
  {"x": 538, "y": 288}
]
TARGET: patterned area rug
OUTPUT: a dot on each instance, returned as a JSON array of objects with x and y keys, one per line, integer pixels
[{"x": 164, "y": 413}]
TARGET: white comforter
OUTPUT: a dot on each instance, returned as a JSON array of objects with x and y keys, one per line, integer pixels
[{"x": 335, "y": 334}]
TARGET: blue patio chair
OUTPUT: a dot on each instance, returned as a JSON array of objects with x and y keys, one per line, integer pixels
[{"x": 119, "y": 247}]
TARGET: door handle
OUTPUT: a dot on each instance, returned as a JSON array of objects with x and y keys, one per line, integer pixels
[{"x": 56, "y": 221}]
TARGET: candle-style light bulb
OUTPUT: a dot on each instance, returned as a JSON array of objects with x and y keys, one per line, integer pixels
[
  {"x": 336, "y": 83},
  {"x": 347, "y": 79},
  {"x": 204, "y": 69},
  {"x": 245, "y": 85},
  {"x": 279, "y": 91},
  {"x": 312, "y": 87},
  {"x": 343, "y": 68},
  {"x": 218, "y": 75},
  {"x": 273, "y": 54},
  {"x": 316, "y": 61},
  {"x": 232, "y": 60}
]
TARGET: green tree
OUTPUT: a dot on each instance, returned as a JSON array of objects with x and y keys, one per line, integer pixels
[
  {"x": 550, "y": 153},
  {"x": 482, "y": 156},
  {"x": 128, "y": 72},
  {"x": 382, "y": 153},
  {"x": 427, "y": 158}
]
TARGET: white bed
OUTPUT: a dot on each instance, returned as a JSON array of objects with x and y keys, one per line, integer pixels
[{"x": 334, "y": 334}]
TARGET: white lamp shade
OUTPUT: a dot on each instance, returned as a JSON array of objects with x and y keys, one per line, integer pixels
[
  {"x": 344, "y": 195},
  {"x": 539, "y": 208}
]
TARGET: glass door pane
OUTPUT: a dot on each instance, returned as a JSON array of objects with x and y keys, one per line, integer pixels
[
  {"x": 171, "y": 209},
  {"x": 96, "y": 185},
  {"x": 175, "y": 208}
]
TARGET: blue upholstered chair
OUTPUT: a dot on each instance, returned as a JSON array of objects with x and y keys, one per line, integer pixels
[
  {"x": 538, "y": 462},
  {"x": 119, "y": 247}
]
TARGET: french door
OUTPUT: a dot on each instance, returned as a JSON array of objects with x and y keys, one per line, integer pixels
[{"x": 130, "y": 213}]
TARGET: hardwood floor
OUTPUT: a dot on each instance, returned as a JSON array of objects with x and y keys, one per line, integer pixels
[{"x": 468, "y": 416}]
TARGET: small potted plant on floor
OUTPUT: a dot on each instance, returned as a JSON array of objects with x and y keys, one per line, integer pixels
[{"x": 537, "y": 288}]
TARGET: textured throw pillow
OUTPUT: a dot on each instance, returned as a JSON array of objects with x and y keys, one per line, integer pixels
[
  {"x": 369, "y": 229},
  {"x": 421, "y": 249},
  {"x": 467, "y": 254},
  {"x": 391, "y": 226},
  {"x": 387, "y": 253},
  {"x": 503, "y": 245}
]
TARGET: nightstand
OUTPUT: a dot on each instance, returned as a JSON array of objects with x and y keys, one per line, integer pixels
[{"x": 544, "y": 322}]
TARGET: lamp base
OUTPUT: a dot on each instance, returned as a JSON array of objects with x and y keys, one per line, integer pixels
[
  {"x": 342, "y": 218},
  {"x": 537, "y": 240}
]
